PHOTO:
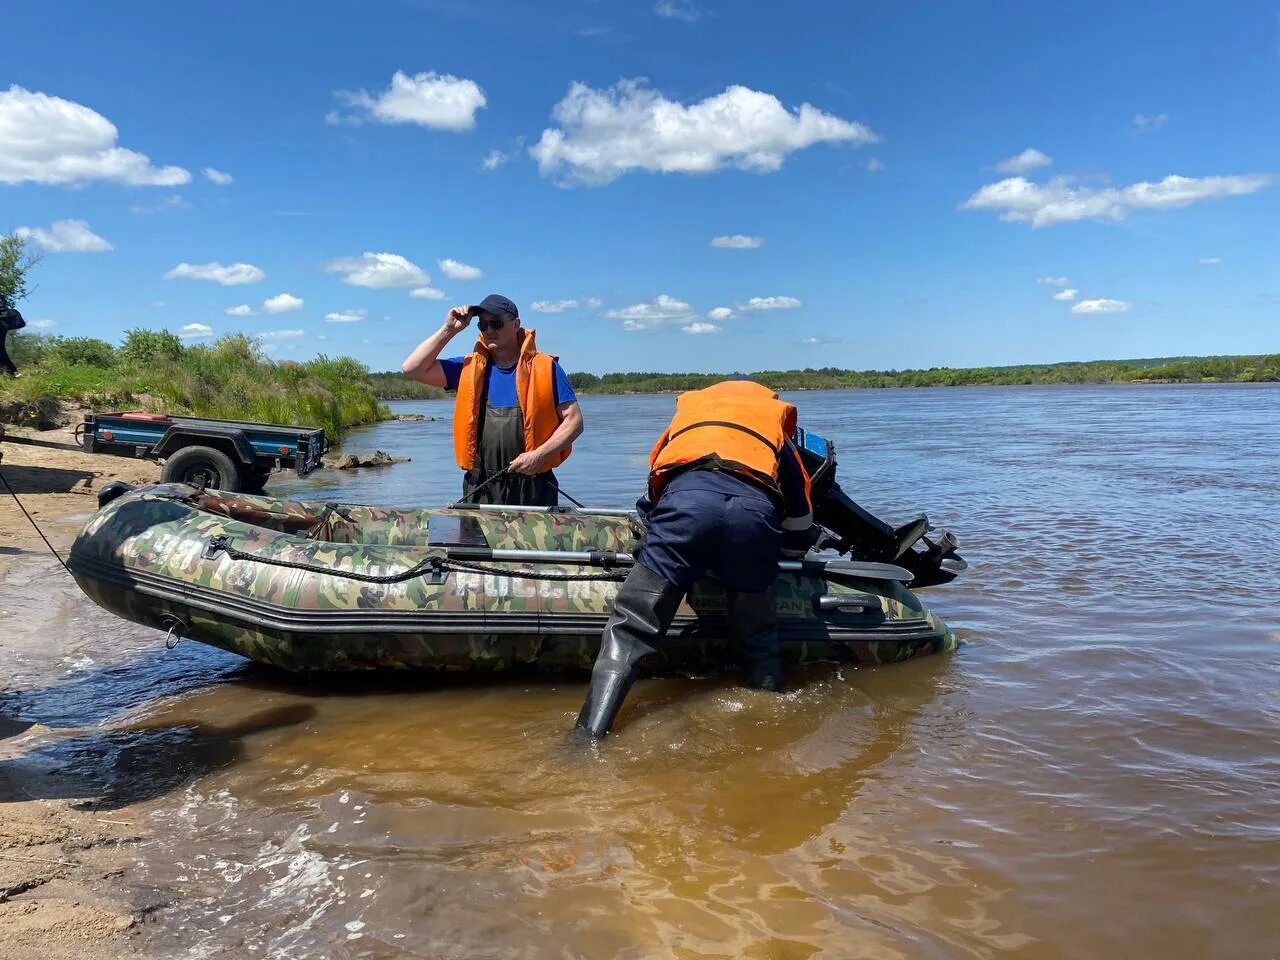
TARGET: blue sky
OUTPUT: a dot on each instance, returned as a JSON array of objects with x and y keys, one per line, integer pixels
[{"x": 894, "y": 185}]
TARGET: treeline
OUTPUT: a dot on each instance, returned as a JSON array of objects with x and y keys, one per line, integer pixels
[
  {"x": 396, "y": 386},
  {"x": 1235, "y": 369},
  {"x": 229, "y": 379}
]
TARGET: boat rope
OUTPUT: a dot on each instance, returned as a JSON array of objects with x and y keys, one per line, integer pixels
[
  {"x": 32, "y": 521},
  {"x": 431, "y": 566},
  {"x": 468, "y": 501}
]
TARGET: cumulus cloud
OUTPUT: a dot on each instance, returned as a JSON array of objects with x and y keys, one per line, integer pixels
[
  {"x": 1020, "y": 201},
  {"x": 456, "y": 270},
  {"x": 44, "y": 324},
  {"x": 378, "y": 270},
  {"x": 282, "y": 303},
  {"x": 235, "y": 274},
  {"x": 244, "y": 310},
  {"x": 737, "y": 242},
  {"x": 678, "y": 10},
  {"x": 426, "y": 293},
  {"x": 1144, "y": 122},
  {"x": 346, "y": 316},
  {"x": 437, "y": 100},
  {"x": 55, "y": 141},
  {"x": 553, "y": 306},
  {"x": 699, "y": 326},
  {"x": 1052, "y": 281},
  {"x": 656, "y": 313},
  {"x": 282, "y": 334},
  {"x": 493, "y": 160},
  {"x": 720, "y": 313},
  {"x": 66, "y": 236},
  {"x": 217, "y": 176},
  {"x": 1209, "y": 261},
  {"x": 1026, "y": 161},
  {"x": 1068, "y": 294},
  {"x": 592, "y": 302},
  {"x": 874, "y": 165},
  {"x": 1100, "y": 306},
  {"x": 770, "y": 303},
  {"x": 196, "y": 331},
  {"x": 603, "y": 134},
  {"x": 173, "y": 201}
]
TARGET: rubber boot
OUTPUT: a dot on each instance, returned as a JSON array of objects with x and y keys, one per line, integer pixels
[
  {"x": 643, "y": 610},
  {"x": 753, "y": 627}
]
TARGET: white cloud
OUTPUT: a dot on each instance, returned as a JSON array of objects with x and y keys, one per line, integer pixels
[
  {"x": 196, "y": 331},
  {"x": 1209, "y": 261},
  {"x": 437, "y": 100},
  {"x": 592, "y": 302},
  {"x": 66, "y": 236},
  {"x": 1052, "y": 281},
  {"x": 217, "y": 176},
  {"x": 737, "y": 242},
  {"x": 1154, "y": 122},
  {"x": 282, "y": 334},
  {"x": 231, "y": 276},
  {"x": 244, "y": 310},
  {"x": 282, "y": 303},
  {"x": 1068, "y": 294},
  {"x": 699, "y": 326},
  {"x": 770, "y": 303},
  {"x": 553, "y": 306},
  {"x": 1100, "y": 306},
  {"x": 378, "y": 270},
  {"x": 173, "y": 201},
  {"x": 678, "y": 10},
  {"x": 719, "y": 313},
  {"x": 656, "y": 313},
  {"x": 493, "y": 160},
  {"x": 346, "y": 316},
  {"x": 603, "y": 134},
  {"x": 44, "y": 324},
  {"x": 874, "y": 165},
  {"x": 456, "y": 270},
  {"x": 1028, "y": 160},
  {"x": 426, "y": 293},
  {"x": 50, "y": 140},
  {"x": 812, "y": 341},
  {"x": 1020, "y": 201}
]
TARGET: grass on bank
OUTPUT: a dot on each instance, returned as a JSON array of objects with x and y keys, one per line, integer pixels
[{"x": 230, "y": 379}]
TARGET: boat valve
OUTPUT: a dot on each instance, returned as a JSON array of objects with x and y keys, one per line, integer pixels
[{"x": 215, "y": 546}]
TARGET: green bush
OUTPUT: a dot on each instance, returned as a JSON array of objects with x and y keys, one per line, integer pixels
[{"x": 145, "y": 347}]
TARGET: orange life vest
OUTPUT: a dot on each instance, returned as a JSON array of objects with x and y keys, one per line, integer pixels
[
  {"x": 738, "y": 426},
  {"x": 535, "y": 392}
]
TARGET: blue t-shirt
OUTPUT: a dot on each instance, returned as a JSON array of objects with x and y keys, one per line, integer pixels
[{"x": 502, "y": 382}]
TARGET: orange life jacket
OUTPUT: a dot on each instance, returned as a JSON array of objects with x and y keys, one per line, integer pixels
[
  {"x": 535, "y": 392},
  {"x": 738, "y": 426}
]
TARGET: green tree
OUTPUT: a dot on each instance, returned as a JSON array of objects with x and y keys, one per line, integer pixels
[{"x": 16, "y": 261}]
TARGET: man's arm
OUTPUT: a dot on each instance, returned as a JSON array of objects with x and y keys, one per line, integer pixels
[
  {"x": 570, "y": 429},
  {"x": 422, "y": 364},
  {"x": 799, "y": 532}
]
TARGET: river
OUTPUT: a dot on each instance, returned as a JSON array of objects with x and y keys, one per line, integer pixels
[{"x": 1093, "y": 773}]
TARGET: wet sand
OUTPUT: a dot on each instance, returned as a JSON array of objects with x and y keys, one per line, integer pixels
[{"x": 64, "y": 890}]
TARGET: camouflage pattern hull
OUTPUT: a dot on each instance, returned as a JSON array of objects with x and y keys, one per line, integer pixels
[{"x": 284, "y": 592}]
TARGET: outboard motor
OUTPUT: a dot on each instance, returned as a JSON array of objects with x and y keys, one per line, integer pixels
[{"x": 864, "y": 536}]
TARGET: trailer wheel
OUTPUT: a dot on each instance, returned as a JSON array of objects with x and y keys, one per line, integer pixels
[
  {"x": 254, "y": 480},
  {"x": 196, "y": 465}
]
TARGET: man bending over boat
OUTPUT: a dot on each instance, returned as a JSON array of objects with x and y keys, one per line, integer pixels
[
  {"x": 728, "y": 495},
  {"x": 515, "y": 416}
]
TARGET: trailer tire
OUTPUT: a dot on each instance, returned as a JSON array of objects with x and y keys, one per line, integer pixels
[{"x": 190, "y": 464}]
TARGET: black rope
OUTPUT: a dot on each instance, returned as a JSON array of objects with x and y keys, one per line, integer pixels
[
  {"x": 467, "y": 499},
  {"x": 13, "y": 494},
  {"x": 429, "y": 566}
]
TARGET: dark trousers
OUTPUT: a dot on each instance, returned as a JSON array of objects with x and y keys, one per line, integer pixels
[{"x": 6, "y": 364}]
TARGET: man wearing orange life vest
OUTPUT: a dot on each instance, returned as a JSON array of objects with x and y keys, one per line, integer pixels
[
  {"x": 515, "y": 417},
  {"x": 728, "y": 495}
]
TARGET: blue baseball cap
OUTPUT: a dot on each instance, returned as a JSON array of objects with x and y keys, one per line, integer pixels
[{"x": 497, "y": 303}]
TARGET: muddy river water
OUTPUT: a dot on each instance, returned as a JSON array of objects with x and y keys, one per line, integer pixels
[{"x": 1093, "y": 774}]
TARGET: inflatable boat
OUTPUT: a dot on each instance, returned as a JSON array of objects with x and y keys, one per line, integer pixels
[{"x": 311, "y": 586}]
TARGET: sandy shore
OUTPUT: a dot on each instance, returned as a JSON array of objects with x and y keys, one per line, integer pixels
[{"x": 64, "y": 868}]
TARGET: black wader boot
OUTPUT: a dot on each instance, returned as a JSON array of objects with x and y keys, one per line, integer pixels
[
  {"x": 753, "y": 628},
  {"x": 643, "y": 610}
]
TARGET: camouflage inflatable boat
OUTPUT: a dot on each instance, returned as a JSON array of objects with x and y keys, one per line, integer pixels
[{"x": 325, "y": 586}]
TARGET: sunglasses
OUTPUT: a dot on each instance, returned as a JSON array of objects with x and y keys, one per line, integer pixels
[{"x": 484, "y": 323}]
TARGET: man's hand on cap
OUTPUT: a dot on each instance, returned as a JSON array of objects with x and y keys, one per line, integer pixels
[{"x": 458, "y": 318}]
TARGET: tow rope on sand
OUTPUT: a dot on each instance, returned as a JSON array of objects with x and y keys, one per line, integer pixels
[{"x": 30, "y": 519}]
